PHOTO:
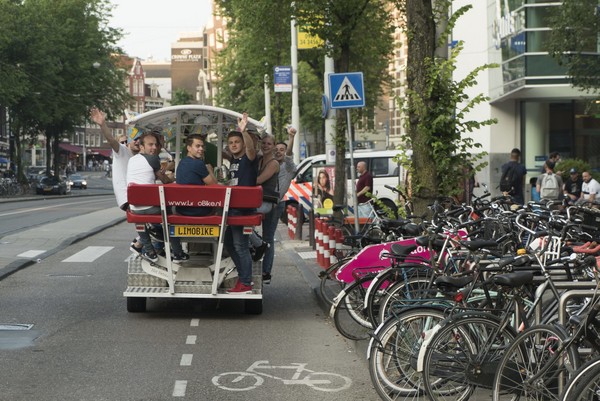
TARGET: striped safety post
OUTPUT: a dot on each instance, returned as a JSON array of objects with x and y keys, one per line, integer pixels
[
  {"x": 294, "y": 222},
  {"x": 339, "y": 240},
  {"x": 332, "y": 246},
  {"x": 319, "y": 242},
  {"x": 326, "y": 251},
  {"x": 291, "y": 221}
]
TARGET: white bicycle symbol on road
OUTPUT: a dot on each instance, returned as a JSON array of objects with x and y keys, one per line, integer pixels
[{"x": 252, "y": 378}]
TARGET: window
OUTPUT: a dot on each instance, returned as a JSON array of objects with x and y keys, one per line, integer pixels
[{"x": 382, "y": 166}]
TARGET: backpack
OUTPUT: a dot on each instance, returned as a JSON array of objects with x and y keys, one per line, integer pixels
[
  {"x": 508, "y": 178},
  {"x": 549, "y": 188}
]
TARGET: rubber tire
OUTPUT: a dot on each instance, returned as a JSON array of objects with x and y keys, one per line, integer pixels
[
  {"x": 457, "y": 342},
  {"x": 393, "y": 346},
  {"x": 136, "y": 304},
  {"x": 536, "y": 344},
  {"x": 349, "y": 315},
  {"x": 253, "y": 306},
  {"x": 585, "y": 383}
]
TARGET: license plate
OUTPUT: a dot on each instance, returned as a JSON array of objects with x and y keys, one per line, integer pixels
[{"x": 194, "y": 231}]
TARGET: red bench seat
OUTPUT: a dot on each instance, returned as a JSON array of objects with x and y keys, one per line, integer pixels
[{"x": 195, "y": 196}]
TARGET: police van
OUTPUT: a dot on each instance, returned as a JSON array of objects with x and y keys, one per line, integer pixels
[{"x": 380, "y": 163}]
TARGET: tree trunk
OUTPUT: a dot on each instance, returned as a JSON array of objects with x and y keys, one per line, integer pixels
[{"x": 421, "y": 48}]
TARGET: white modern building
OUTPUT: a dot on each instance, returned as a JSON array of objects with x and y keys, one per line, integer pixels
[{"x": 537, "y": 109}]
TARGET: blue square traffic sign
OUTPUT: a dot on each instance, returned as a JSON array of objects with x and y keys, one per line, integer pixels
[{"x": 346, "y": 90}]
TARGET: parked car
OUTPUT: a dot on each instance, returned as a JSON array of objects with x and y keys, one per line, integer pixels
[
  {"x": 77, "y": 181},
  {"x": 52, "y": 185}
]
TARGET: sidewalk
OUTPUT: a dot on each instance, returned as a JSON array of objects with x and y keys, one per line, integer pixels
[{"x": 26, "y": 247}]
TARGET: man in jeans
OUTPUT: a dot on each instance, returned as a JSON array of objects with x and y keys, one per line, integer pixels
[
  {"x": 145, "y": 168},
  {"x": 242, "y": 171}
]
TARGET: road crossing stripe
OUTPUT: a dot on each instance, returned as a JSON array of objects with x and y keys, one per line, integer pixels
[
  {"x": 89, "y": 254},
  {"x": 30, "y": 254},
  {"x": 186, "y": 359},
  {"x": 179, "y": 389}
]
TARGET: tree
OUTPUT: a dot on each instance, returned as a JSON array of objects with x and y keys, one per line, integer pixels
[
  {"x": 181, "y": 96},
  {"x": 573, "y": 41},
  {"x": 65, "y": 65},
  {"x": 359, "y": 36}
]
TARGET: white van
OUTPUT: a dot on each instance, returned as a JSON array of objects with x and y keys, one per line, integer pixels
[{"x": 380, "y": 163}]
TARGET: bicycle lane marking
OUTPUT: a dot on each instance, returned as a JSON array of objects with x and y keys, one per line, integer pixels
[{"x": 237, "y": 381}]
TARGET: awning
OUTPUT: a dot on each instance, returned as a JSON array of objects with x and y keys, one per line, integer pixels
[
  {"x": 101, "y": 151},
  {"x": 70, "y": 148}
]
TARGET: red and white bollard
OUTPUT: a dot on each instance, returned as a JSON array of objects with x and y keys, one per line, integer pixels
[
  {"x": 339, "y": 240},
  {"x": 289, "y": 221},
  {"x": 332, "y": 245},
  {"x": 326, "y": 250},
  {"x": 319, "y": 241}
]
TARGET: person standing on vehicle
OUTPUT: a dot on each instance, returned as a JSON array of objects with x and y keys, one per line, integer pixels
[
  {"x": 123, "y": 149},
  {"x": 287, "y": 168},
  {"x": 549, "y": 184},
  {"x": 513, "y": 177},
  {"x": 364, "y": 185},
  {"x": 145, "y": 168},
  {"x": 192, "y": 170},
  {"x": 243, "y": 172}
]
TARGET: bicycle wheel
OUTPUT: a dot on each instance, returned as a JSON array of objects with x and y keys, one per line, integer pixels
[
  {"x": 348, "y": 311},
  {"x": 585, "y": 383},
  {"x": 403, "y": 294},
  {"x": 460, "y": 359},
  {"x": 534, "y": 367},
  {"x": 330, "y": 287},
  {"x": 393, "y": 350},
  {"x": 384, "y": 281}
]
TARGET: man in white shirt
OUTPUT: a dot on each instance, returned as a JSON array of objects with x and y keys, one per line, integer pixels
[
  {"x": 123, "y": 149},
  {"x": 590, "y": 189},
  {"x": 145, "y": 168}
]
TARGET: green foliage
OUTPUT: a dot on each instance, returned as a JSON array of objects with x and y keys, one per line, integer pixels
[
  {"x": 58, "y": 56},
  {"x": 444, "y": 153},
  {"x": 573, "y": 41},
  {"x": 181, "y": 96},
  {"x": 565, "y": 165}
]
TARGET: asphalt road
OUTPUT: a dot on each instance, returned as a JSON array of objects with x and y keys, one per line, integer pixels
[{"x": 65, "y": 334}]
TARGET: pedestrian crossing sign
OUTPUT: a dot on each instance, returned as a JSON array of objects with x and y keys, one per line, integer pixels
[{"x": 346, "y": 90}]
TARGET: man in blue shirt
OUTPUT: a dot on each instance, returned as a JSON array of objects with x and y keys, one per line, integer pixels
[{"x": 192, "y": 170}]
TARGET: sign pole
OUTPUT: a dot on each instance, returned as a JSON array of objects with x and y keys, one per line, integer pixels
[
  {"x": 268, "y": 106},
  {"x": 352, "y": 172},
  {"x": 295, "y": 100}
]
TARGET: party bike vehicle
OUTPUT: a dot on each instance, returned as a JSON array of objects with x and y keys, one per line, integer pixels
[{"x": 209, "y": 272}]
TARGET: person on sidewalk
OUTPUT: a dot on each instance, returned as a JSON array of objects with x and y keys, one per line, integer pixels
[
  {"x": 192, "y": 170},
  {"x": 590, "y": 189},
  {"x": 364, "y": 185},
  {"x": 512, "y": 180},
  {"x": 572, "y": 187},
  {"x": 145, "y": 168},
  {"x": 549, "y": 185},
  {"x": 123, "y": 149},
  {"x": 243, "y": 171}
]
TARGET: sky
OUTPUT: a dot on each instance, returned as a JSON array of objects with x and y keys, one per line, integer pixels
[{"x": 150, "y": 26}]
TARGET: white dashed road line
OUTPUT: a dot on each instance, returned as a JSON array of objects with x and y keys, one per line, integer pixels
[
  {"x": 191, "y": 340},
  {"x": 186, "y": 360},
  {"x": 89, "y": 254},
  {"x": 179, "y": 389}
]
